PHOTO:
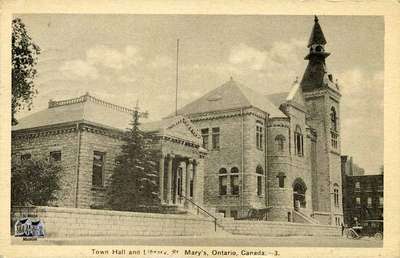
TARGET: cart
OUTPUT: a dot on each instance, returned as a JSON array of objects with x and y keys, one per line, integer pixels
[{"x": 370, "y": 228}]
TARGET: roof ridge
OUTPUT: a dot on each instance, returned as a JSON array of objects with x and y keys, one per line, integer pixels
[{"x": 85, "y": 98}]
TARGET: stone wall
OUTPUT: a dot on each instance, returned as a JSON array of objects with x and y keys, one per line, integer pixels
[
  {"x": 67, "y": 222},
  {"x": 39, "y": 145},
  {"x": 274, "y": 228}
]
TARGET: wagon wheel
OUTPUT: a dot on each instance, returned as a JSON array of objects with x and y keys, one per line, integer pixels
[
  {"x": 378, "y": 236},
  {"x": 351, "y": 234}
]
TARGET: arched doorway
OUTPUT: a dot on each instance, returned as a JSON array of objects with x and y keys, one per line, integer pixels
[{"x": 299, "y": 194}]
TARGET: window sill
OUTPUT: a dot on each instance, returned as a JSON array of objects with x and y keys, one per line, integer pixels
[{"x": 98, "y": 188}]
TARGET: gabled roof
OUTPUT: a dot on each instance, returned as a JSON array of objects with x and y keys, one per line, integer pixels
[{"x": 230, "y": 95}]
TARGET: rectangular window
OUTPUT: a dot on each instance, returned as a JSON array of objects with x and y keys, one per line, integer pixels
[
  {"x": 259, "y": 135},
  {"x": 191, "y": 187},
  {"x": 26, "y": 156},
  {"x": 215, "y": 138},
  {"x": 334, "y": 141},
  {"x": 380, "y": 201},
  {"x": 259, "y": 185},
  {"x": 223, "y": 185},
  {"x": 357, "y": 185},
  {"x": 358, "y": 201},
  {"x": 204, "y": 135},
  {"x": 235, "y": 184},
  {"x": 234, "y": 214},
  {"x": 55, "y": 156},
  {"x": 98, "y": 167},
  {"x": 369, "y": 202}
]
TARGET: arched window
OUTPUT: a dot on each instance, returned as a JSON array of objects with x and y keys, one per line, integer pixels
[
  {"x": 260, "y": 175},
  {"x": 333, "y": 119},
  {"x": 298, "y": 141},
  {"x": 234, "y": 181},
  {"x": 336, "y": 194},
  {"x": 223, "y": 181},
  {"x": 280, "y": 142}
]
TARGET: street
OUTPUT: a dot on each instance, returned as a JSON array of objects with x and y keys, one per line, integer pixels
[{"x": 218, "y": 240}]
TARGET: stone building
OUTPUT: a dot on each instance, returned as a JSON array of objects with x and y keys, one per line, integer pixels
[
  {"x": 232, "y": 149},
  {"x": 85, "y": 135},
  {"x": 279, "y": 152}
]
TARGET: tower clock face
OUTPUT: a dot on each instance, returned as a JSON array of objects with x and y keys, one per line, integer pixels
[{"x": 319, "y": 49}]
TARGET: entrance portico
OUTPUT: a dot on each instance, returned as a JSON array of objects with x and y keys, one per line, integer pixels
[{"x": 180, "y": 161}]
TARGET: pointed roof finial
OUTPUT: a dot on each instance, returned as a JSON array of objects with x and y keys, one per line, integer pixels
[
  {"x": 317, "y": 36},
  {"x": 137, "y": 105}
]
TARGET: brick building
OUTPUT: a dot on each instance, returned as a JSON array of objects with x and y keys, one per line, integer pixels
[
  {"x": 362, "y": 194},
  {"x": 232, "y": 149}
]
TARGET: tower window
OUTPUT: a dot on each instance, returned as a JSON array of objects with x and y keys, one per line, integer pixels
[
  {"x": 333, "y": 116},
  {"x": 260, "y": 175},
  {"x": 235, "y": 181},
  {"x": 215, "y": 138},
  {"x": 298, "y": 142},
  {"x": 223, "y": 181},
  {"x": 336, "y": 195},
  {"x": 281, "y": 179},
  {"x": 280, "y": 143},
  {"x": 259, "y": 135}
]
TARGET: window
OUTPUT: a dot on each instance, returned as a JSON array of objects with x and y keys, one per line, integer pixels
[
  {"x": 281, "y": 179},
  {"x": 357, "y": 185},
  {"x": 191, "y": 187},
  {"x": 298, "y": 141},
  {"x": 259, "y": 135},
  {"x": 235, "y": 181},
  {"x": 98, "y": 167},
  {"x": 380, "y": 201},
  {"x": 223, "y": 181},
  {"x": 234, "y": 214},
  {"x": 336, "y": 195},
  {"x": 222, "y": 211},
  {"x": 358, "y": 201},
  {"x": 333, "y": 119},
  {"x": 334, "y": 139},
  {"x": 260, "y": 174},
  {"x": 26, "y": 156},
  {"x": 215, "y": 138},
  {"x": 280, "y": 143},
  {"x": 55, "y": 156},
  {"x": 369, "y": 202},
  {"x": 204, "y": 135}
]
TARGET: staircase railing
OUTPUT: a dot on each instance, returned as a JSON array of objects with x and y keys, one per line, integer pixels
[{"x": 200, "y": 208}]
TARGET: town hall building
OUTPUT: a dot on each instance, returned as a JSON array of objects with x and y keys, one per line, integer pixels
[{"x": 231, "y": 150}]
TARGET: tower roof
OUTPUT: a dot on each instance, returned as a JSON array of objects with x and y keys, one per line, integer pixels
[{"x": 317, "y": 36}]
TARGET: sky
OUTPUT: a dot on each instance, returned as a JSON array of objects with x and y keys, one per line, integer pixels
[{"x": 125, "y": 58}]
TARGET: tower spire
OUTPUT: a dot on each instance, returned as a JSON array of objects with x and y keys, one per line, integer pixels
[{"x": 313, "y": 77}]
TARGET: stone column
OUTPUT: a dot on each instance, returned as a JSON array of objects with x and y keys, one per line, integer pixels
[
  {"x": 189, "y": 168},
  {"x": 194, "y": 167},
  {"x": 169, "y": 178},
  {"x": 161, "y": 178}
]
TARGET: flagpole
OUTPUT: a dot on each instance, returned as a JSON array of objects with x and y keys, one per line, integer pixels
[{"x": 177, "y": 74}]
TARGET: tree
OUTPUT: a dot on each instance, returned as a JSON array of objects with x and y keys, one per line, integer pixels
[
  {"x": 34, "y": 182},
  {"x": 24, "y": 53},
  {"x": 133, "y": 185}
]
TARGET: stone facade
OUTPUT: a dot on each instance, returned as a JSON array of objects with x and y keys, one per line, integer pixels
[{"x": 278, "y": 153}]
